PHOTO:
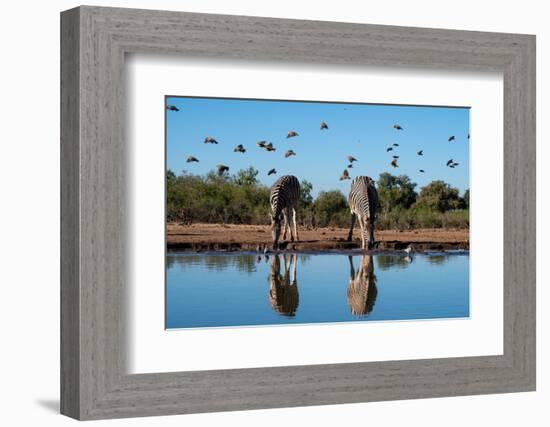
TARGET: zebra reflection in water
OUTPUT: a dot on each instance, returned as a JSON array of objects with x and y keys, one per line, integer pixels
[
  {"x": 362, "y": 289},
  {"x": 283, "y": 288}
]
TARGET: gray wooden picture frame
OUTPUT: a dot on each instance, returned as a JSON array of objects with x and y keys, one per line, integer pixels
[{"x": 94, "y": 382}]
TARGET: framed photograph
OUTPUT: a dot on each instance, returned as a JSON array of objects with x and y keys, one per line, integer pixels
[{"x": 261, "y": 213}]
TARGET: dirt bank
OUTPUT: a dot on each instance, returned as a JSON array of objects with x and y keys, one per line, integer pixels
[{"x": 221, "y": 237}]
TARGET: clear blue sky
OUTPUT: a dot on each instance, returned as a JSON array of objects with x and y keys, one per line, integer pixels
[{"x": 361, "y": 130}]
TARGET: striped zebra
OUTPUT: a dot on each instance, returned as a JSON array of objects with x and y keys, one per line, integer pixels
[
  {"x": 284, "y": 198},
  {"x": 363, "y": 202}
]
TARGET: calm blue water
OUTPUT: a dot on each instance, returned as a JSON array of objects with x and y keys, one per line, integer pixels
[{"x": 208, "y": 290}]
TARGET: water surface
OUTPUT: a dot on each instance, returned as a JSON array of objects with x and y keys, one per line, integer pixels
[{"x": 210, "y": 290}]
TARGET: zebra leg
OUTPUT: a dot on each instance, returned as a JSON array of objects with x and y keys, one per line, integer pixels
[
  {"x": 288, "y": 214},
  {"x": 295, "y": 225},
  {"x": 371, "y": 235},
  {"x": 285, "y": 223},
  {"x": 368, "y": 234},
  {"x": 294, "y": 262},
  {"x": 289, "y": 223},
  {"x": 362, "y": 225},
  {"x": 351, "y": 268},
  {"x": 286, "y": 265},
  {"x": 350, "y": 234}
]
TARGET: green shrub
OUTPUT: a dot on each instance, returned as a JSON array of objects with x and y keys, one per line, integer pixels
[
  {"x": 457, "y": 219},
  {"x": 330, "y": 207}
]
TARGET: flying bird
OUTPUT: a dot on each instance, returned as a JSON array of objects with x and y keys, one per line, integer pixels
[
  {"x": 389, "y": 149},
  {"x": 395, "y": 157},
  {"x": 291, "y": 134},
  {"x": 449, "y": 162},
  {"x": 350, "y": 166},
  {"x": 210, "y": 140},
  {"x": 397, "y": 127},
  {"x": 323, "y": 126},
  {"x": 192, "y": 159},
  {"x": 271, "y": 172},
  {"x": 451, "y": 138},
  {"x": 345, "y": 175},
  {"x": 269, "y": 147},
  {"x": 421, "y": 170},
  {"x": 222, "y": 169},
  {"x": 468, "y": 136},
  {"x": 420, "y": 153},
  {"x": 261, "y": 144},
  {"x": 395, "y": 145},
  {"x": 394, "y": 163},
  {"x": 289, "y": 153},
  {"x": 172, "y": 108},
  {"x": 351, "y": 159},
  {"x": 239, "y": 149}
]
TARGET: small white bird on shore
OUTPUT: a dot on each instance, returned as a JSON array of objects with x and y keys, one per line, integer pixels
[{"x": 408, "y": 250}]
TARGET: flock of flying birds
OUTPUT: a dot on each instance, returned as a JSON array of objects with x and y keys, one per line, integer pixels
[{"x": 268, "y": 146}]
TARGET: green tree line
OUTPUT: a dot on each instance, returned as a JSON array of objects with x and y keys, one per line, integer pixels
[{"x": 242, "y": 199}]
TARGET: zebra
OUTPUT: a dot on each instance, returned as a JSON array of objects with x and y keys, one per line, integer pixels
[
  {"x": 284, "y": 198},
  {"x": 283, "y": 288},
  {"x": 362, "y": 289},
  {"x": 363, "y": 202}
]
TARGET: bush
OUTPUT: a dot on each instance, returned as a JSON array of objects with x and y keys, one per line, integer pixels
[
  {"x": 216, "y": 199},
  {"x": 423, "y": 217},
  {"x": 330, "y": 208},
  {"x": 457, "y": 219},
  {"x": 439, "y": 196}
]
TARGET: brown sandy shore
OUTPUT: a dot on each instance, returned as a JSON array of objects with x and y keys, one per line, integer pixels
[{"x": 222, "y": 237}]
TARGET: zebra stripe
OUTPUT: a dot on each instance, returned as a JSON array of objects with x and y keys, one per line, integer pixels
[{"x": 363, "y": 203}]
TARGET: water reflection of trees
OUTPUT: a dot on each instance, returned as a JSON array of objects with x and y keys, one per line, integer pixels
[
  {"x": 242, "y": 262},
  {"x": 304, "y": 259},
  {"x": 386, "y": 262},
  {"x": 362, "y": 290},
  {"x": 436, "y": 259},
  {"x": 283, "y": 288}
]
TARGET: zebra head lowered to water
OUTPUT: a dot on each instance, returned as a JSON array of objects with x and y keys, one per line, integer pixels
[
  {"x": 284, "y": 199},
  {"x": 363, "y": 203}
]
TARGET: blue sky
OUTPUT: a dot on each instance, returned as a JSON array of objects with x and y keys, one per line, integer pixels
[{"x": 361, "y": 130}]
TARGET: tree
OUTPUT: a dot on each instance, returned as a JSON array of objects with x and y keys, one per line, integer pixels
[
  {"x": 395, "y": 191},
  {"x": 306, "y": 199},
  {"x": 247, "y": 176},
  {"x": 439, "y": 196},
  {"x": 331, "y": 207}
]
